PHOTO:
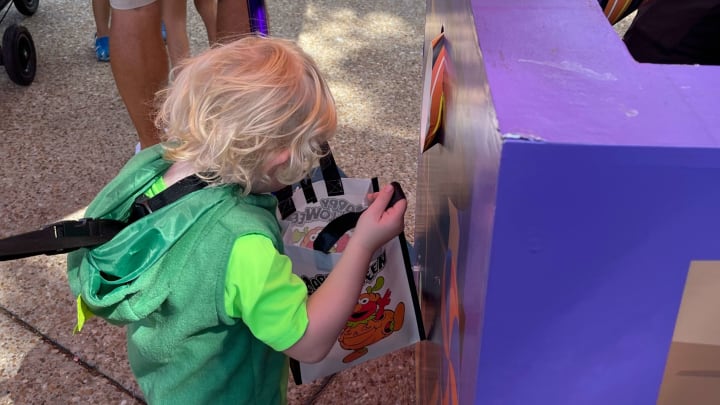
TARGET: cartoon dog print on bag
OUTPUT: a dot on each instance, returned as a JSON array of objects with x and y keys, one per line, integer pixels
[{"x": 370, "y": 322}]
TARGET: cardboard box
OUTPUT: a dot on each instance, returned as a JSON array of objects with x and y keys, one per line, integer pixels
[{"x": 561, "y": 211}]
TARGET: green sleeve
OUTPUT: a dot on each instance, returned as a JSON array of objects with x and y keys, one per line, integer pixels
[{"x": 261, "y": 289}]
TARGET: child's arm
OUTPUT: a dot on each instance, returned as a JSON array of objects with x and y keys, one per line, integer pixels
[{"x": 330, "y": 306}]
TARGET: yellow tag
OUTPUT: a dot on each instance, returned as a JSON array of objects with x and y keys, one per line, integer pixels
[{"x": 83, "y": 314}]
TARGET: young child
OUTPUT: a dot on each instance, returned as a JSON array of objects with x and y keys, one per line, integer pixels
[{"x": 211, "y": 306}]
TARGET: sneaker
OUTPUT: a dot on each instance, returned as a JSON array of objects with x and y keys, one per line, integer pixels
[
  {"x": 102, "y": 48},
  {"x": 163, "y": 31}
]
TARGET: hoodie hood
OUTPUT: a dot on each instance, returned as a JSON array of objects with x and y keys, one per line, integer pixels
[{"x": 120, "y": 280}]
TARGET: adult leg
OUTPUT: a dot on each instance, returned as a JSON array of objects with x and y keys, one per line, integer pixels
[
  {"x": 208, "y": 12},
  {"x": 174, "y": 14},
  {"x": 233, "y": 20},
  {"x": 101, "y": 14},
  {"x": 139, "y": 65}
]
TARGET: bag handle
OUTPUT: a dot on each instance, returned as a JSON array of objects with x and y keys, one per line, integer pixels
[
  {"x": 335, "y": 229},
  {"x": 331, "y": 176},
  {"x": 330, "y": 172}
]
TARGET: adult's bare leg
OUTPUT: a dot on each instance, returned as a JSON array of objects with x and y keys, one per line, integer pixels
[
  {"x": 101, "y": 14},
  {"x": 139, "y": 65},
  {"x": 233, "y": 20},
  {"x": 174, "y": 14},
  {"x": 208, "y": 12}
]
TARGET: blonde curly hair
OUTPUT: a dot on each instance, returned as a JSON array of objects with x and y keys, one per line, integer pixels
[{"x": 229, "y": 109}]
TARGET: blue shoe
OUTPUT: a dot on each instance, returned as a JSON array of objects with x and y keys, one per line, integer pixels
[
  {"x": 163, "y": 31},
  {"x": 102, "y": 49}
]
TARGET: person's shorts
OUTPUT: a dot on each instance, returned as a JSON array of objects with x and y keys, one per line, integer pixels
[{"x": 129, "y": 4}]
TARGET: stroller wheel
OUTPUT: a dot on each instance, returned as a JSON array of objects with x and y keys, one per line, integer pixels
[
  {"x": 18, "y": 55},
  {"x": 27, "y": 7}
]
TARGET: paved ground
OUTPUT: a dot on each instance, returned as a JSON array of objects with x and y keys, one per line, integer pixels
[{"x": 67, "y": 134}]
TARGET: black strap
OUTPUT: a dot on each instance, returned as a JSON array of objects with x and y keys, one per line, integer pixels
[
  {"x": 308, "y": 191},
  {"x": 66, "y": 236},
  {"x": 335, "y": 229},
  {"x": 60, "y": 237},
  {"x": 331, "y": 173},
  {"x": 144, "y": 205},
  {"x": 286, "y": 206}
]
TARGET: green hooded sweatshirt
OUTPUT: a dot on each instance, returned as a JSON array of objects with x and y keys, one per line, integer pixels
[{"x": 163, "y": 277}]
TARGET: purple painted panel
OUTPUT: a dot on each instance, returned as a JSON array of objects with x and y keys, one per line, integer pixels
[
  {"x": 699, "y": 87},
  {"x": 592, "y": 231},
  {"x": 562, "y": 74},
  {"x": 591, "y": 249}
]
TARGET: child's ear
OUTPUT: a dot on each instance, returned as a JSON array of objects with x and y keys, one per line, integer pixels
[{"x": 281, "y": 158}]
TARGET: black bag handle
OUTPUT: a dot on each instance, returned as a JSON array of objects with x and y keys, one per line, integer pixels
[
  {"x": 335, "y": 229},
  {"x": 286, "y": 206},
  {"x": 66, "y": 236},
  {"x": 331, "y": 175}
]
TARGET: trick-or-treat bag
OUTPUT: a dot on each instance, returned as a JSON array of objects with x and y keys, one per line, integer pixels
[{"x": 317, "y": 219}]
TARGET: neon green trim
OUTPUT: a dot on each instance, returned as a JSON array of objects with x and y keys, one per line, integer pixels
[
  {"x": 83, "y": 314},
  {"x": 156, "y": 188}
]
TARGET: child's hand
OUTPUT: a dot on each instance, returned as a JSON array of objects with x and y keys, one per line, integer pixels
[{"x": 378, "y": 224}]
